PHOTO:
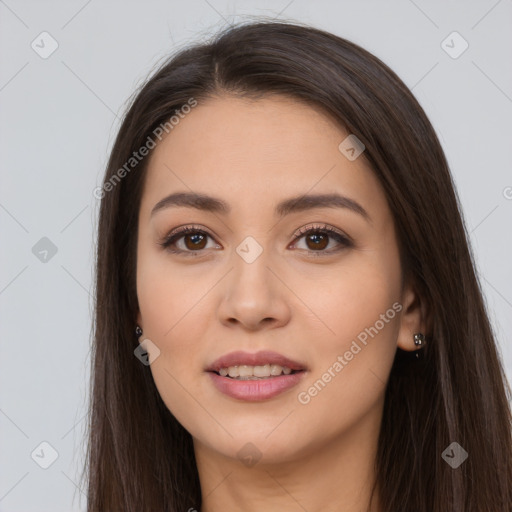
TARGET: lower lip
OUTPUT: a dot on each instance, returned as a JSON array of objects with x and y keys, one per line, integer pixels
[{"x": 255, "y": 390}]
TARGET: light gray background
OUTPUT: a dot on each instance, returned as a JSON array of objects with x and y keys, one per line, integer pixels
[{"x": 59, "y": 116}]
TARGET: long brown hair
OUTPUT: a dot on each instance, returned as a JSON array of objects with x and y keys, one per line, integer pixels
[{"x": 139, "y": 457}]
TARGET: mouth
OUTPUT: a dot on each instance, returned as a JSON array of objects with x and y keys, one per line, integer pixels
[
  {"x": 249, "y": 372},
  {"x": 263, "y": 364},
  {"x": 255, "y": 377}
]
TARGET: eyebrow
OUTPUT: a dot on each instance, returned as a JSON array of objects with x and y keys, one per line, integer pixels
[{"x": 293, "y": 205}]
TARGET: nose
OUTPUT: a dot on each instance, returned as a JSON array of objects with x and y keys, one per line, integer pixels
[{"x": 253, "y": 297}]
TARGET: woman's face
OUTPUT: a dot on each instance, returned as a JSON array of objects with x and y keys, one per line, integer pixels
[{"x": 250, "y": 279}]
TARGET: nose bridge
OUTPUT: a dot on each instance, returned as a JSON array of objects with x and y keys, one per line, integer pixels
[{"x": 251, "y": 259}]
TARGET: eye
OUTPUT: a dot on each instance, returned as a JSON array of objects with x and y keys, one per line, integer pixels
[
  {"x": 317, "y": 238},
  {"x": 195, "y": 240}
]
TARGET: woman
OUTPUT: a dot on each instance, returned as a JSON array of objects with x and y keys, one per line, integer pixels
[{"x": 287, "y": 312}]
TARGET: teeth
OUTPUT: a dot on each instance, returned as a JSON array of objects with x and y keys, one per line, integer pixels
[
  {"x": 262, "y": 371},
  {"x": 233, "y": 371},
  {"x": 247, "y": 372}
]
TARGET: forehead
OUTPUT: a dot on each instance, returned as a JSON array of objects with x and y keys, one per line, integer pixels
[
  {"x": 251, "y": 152},
  {"x": 276, "y": 130}
]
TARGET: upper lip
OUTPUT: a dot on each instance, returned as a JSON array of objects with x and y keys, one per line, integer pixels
[{"x": 261, "y": 358}]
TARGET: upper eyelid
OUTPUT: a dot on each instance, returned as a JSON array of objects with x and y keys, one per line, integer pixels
[{"x": 299, "y": 233}]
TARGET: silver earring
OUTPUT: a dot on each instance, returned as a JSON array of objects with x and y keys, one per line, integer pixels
[
  {"x": 138, "y": 332},
  {"x": 419, "y": 339}
]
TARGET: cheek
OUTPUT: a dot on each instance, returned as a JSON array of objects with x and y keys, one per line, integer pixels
[
  {"x": 360, "y": 309},
  {"x": 172, "y": 307},
  {"x": 353, "y": 297},
  {"x": 168, "y": 316},
  {"x": 169, "y": 294}
]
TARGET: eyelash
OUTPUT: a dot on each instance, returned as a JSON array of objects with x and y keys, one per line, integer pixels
[{"x": 342, "y": 239}]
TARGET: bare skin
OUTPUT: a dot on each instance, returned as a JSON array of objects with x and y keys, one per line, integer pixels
[{"x": 305, "y": 302}]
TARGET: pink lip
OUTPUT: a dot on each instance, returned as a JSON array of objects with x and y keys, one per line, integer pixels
[
  {"x": 255, "y": 390},
  {"x": 257, "y": 359}
]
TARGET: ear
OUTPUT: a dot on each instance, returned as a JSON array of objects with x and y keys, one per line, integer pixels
[
  {"x": 413, "y": 319},
  {"x": 139, "y": 320}
]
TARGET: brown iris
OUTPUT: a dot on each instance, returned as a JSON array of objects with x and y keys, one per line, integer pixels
[
  {"x": 320, "y": 240},
  {"x": 197, "y": 239}
]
